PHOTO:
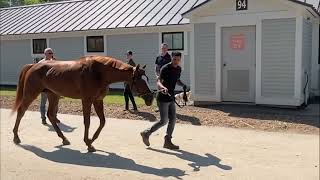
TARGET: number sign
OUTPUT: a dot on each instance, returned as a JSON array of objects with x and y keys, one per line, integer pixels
[{"x": 241, "y": 5}]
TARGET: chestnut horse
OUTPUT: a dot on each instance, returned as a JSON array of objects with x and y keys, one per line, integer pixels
[{"x": 87, "y": 79}]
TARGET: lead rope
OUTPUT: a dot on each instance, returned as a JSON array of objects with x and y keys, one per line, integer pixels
[
  {"x": 185, "y": 103},
  {"x": 157, "y": 91}
]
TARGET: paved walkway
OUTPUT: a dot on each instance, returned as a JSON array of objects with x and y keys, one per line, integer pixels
[{"x": 207, "y": 153}]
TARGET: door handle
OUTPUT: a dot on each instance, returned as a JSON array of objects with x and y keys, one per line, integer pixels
[{"x": 224, "y": 64}]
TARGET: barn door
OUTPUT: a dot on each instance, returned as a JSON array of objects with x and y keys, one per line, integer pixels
[{"x": 238, "y": 63}]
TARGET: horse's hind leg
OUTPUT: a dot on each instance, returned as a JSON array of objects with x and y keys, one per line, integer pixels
[
  {"x": 20, "y": 113},
  {"x": 26, "y": 101},
  {"x": 53, "y": 105}
]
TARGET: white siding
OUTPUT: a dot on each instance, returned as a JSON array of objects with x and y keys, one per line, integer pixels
[
  {"x": 145, "y": 49},
  {"x": 185, "y": 76},
  {"x": 205, "y": 70},
  {"x": 278, "y": 58},
  {"x": 315, "y": 67},
  {"x": 67, "y": 48},
  {"x": 13, "y": 55},
  {"x": 306, "y": 54}
]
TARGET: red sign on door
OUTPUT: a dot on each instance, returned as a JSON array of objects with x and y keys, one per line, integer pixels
[{"x": 237, "y": 42}]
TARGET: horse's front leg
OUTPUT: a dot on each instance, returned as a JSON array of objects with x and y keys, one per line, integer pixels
[
  {"x": 52, "y": 115},
  {"x": 86, "y": 107},
  {"x": 98, "y": 106}
]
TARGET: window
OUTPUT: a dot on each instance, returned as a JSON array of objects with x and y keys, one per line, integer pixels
[
  {"x": 175, "y": 40},
  {"x": 39, "y": 45},
  {"x": 95, "y": 44}
]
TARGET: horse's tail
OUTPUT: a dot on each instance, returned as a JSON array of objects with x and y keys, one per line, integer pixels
[{"x": 20, "y": 87}]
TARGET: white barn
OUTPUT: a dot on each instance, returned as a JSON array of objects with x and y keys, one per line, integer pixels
[{"x": 254, "y": 51}]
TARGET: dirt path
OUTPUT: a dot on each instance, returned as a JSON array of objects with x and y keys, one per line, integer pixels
[
  {"x": 207, "y": 153},
  {"x": 235, "y": 116}
]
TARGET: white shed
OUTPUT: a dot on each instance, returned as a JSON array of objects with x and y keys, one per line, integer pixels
[{"x": 254, "y": 51}]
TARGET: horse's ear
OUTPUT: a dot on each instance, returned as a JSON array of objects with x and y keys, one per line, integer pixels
[
  {"x": 144, "y": 66},
  {"x": 138, "y": 66}
]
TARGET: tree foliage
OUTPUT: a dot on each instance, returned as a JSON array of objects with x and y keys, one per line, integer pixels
[{"x": 8, "y": 3}]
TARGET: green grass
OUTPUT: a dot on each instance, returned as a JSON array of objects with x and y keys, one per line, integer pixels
[
  {"x": 115, "y": 97},
  {"x": 7, "y": 91}
]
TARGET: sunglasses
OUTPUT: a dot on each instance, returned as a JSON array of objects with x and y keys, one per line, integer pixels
[{"x": 50, "y": 53}]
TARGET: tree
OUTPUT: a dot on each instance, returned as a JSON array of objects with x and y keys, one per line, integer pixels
[
  {"x": 8, "y": 3},
  {"x": 4, "y": 3}
]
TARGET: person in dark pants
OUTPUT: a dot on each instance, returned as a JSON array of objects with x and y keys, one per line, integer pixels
[
  {"x": 163, "y": 59},
  {"x": 168, "y": 78},
  {"x": 127, "y": 91}
]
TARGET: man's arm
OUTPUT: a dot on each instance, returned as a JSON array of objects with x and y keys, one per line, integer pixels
[
  {"x": 180, "y": 83},
  {"x": 161, "y": 86},
  {"x": 159, "y": 81},
  {"x": 157, "y": 70}
]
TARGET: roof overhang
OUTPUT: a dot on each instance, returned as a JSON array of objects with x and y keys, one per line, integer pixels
[{"x": 312, "y": 10}]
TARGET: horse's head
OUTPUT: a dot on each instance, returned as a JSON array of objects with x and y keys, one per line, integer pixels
[{"x": 140, "y": 85}]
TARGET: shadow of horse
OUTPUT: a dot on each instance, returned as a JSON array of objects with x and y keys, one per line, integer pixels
[
  {"x": 197, "y": 161},
  {"x": 63, "y": 127},
  {"x": 110, "y": 160},
  {"x": 193, "y": 120}
]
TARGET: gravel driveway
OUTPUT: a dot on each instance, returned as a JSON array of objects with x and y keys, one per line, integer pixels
[{"x": 235, "y": 116}]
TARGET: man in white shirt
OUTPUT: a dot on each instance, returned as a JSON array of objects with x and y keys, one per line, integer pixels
[{"x": 48, "y": 52}]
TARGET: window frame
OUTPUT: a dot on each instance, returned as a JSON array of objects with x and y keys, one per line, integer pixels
[
  {"x": 88, "y": 50},
  {"x": 172, "y": 33},
  {"x": 33, "y": 48}
]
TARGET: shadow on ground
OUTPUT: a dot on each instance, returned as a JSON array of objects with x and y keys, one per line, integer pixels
[
  {"x": 152, "y": 118},
  {"x": 191, "y": 119},
  {"x": 308, "y": 116},
  {"x": 63, "y": 127},
  {"x": 146, "y": 115},
  {"x": 109, "y": 160},
  {"x": 197, "y": 161}
]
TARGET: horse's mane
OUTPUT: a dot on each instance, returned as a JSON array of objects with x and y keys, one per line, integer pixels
[{"x": 111, "y": 62}]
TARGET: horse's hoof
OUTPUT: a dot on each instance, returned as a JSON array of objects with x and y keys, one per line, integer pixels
[
  {"x": 66, "y": 142},
  {"x": 91, "y": 149},
  {"x": 16, "y": 140}
]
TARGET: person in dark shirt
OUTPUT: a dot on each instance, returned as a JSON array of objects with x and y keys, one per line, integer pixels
[
  {"x": 127, "y": 91},
  {"x": 168, "y": 78},
  {"x": 163, "y": 59}
]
